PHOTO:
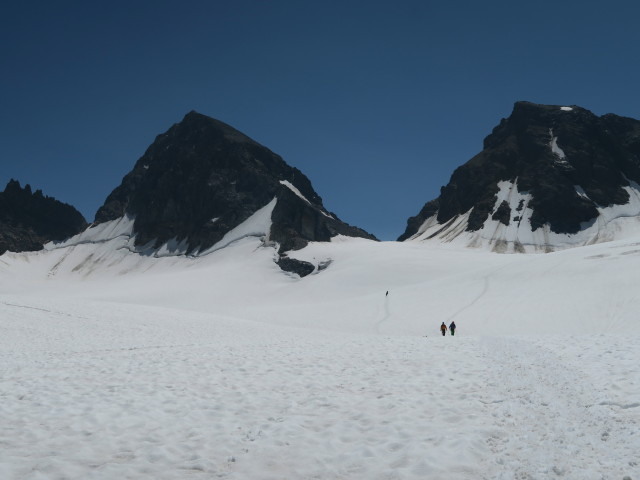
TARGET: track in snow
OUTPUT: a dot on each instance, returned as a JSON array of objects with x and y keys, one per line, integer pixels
[{"x": 142, "y": 392}]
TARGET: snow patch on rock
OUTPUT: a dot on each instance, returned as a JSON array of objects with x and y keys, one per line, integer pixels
[
  {"x": 291, "y": 187},
  {"x": 257, "y": 225},
  {"x": 295, "y": 190},
  {"x": 557, "y": 151}
]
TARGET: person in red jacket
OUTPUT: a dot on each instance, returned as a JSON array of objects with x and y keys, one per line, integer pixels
[{"x": 443, "y": 329}]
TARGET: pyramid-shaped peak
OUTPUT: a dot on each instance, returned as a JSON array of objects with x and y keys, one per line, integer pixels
[
  {"x": 202, "y": 178},
  {"x": 197, "y": 127}
]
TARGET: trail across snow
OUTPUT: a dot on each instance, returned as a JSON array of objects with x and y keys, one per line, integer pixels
[
  {"x": 102, "y": 391},
  {"x": 117, "y": 365},
  {"x": 386, "y": 312}
]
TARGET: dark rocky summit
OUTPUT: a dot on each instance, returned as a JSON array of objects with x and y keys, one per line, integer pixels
[
  {"x": 29, "y": 219},
  {"x": 202, "y": 178},
  {"x": 569, "y": 160}
]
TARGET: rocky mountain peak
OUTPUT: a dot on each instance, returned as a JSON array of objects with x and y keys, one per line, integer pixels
[
  {"x": 202, "y": 178},
  {"x": 563, "y": 162},
  {"x": 30, "y": 219}
]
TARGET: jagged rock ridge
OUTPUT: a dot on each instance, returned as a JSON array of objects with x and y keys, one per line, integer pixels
[
  {"x": 545, "y": 168},
  {"x": 29, "y": 219},
  {"x": 202, "y": 178}
]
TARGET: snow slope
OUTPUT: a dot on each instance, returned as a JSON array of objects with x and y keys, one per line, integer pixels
[
  {"x": 121, "y": 365},
  {"x": 615, "y": 222}
]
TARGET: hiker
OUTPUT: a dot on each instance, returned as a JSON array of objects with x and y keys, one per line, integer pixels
[
  {"x": 443, "y": 329},
  {"x": 452, "y": 327}
]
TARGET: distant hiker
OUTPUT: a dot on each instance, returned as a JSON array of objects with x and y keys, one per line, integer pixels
[
  {"x": 452, "y": 327},
  {"x": 443, "y": 329},
  {"x": 387, "y": 293}
]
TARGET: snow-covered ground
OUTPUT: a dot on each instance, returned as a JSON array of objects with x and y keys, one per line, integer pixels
[{"x": 116, "y": 365}]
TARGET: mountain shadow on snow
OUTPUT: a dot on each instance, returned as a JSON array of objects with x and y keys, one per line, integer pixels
[
  {"x": 29, "y": 219},
  {"x": 202, "y": 178}
]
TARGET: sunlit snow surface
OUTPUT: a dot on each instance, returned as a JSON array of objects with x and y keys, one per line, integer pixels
[{"x": 117, "y": 365}]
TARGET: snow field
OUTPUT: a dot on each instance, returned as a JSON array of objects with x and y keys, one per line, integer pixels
[
  {"x": 119, "y": 365},
  {"x": 147, "y": 392}
]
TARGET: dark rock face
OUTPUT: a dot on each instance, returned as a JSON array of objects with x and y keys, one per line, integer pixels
[
  {"x": 549, "y": 150},
  {"x": 29, "y": 219},
  {"x": 296, "y": 222},
  {"x": 202, "y": 178},
  {"x": 503, "y": 213},
  {"x": 295, "y": 266}
]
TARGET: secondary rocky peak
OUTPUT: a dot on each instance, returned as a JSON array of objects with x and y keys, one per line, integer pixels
[
  {"x": 563, "y": 162},
  {"x": 30, "y": 219}
]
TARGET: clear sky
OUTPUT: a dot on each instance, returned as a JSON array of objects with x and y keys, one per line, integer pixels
[{"x": 377, "y": 102}]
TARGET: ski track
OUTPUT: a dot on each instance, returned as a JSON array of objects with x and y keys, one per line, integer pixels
[
  {"x": 485, "y": 289},
  {"x": 486, "y": 281},
  {"x": 387, "y": 314},
  {"x": 126, "y": 395}
]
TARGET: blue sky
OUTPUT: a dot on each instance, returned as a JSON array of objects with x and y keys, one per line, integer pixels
[{"x": 377, "y": 102}]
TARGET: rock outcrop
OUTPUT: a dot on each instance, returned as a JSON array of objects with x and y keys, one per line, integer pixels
[{"x": 29, "y": 219}]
